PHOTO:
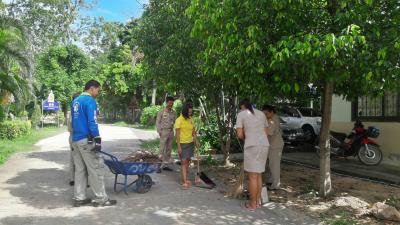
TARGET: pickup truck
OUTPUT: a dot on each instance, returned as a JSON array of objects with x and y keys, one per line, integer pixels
[{"x": 300, "y": 124}]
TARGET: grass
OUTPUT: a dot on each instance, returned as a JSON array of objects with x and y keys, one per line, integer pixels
[
  {"x": 136, "y": 126},
  {"x": 154, "y": 146},
  {"x": 26, "y": 143},
  {"x": 394, "y": 201},
  {"x": 342, "y": 218}
]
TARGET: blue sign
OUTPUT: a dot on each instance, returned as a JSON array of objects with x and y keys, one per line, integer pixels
[{"x": 51, "y": 106}]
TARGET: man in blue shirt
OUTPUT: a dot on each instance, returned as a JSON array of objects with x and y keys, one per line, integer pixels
[{"x": 86, "y": 143}]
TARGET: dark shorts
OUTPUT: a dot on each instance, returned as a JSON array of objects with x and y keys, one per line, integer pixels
[{"x": 187, "y": 151}]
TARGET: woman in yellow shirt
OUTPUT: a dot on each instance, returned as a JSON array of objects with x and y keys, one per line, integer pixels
[{"x": 185, "y": 139}]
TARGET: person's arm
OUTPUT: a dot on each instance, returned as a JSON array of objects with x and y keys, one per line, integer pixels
[
  {"x": 178, "y": 136},
  {"x": 239, "y": 127},
  {"x": 271, "y": 130},
  {"x": 91, "y": 115},
  {"x": 178, "y": 141},
  {"x": 240, "y": 133},
  {"x": 158, "y": 122},
  {"x": 267, "y": 129}
]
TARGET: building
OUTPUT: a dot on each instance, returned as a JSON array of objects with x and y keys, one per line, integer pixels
[{"x": 382, "y": 112}]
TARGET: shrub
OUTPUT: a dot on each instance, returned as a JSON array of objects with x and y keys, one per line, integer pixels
[
  {"x": 2, "y": 114},
  {"x": 209, "y": 134},
  {"x": 149, "y": 114},
  {"x": 13, "y": 129},
  {"x": 178, "y": 107}
]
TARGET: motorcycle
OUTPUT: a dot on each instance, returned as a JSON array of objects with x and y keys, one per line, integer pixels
[{"x": 357, "y": 143}]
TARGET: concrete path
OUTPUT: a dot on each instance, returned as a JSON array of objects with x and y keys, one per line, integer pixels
[{"x": 34, "y": 190}]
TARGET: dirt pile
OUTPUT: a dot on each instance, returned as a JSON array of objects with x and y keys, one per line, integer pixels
[{"x": 142, "y": 156}]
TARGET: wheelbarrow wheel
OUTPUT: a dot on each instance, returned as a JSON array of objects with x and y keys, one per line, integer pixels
[{"x": 143, "y": 184}]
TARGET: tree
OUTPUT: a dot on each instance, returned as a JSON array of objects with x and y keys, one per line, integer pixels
[
  {"x": 98, "y": 35},
  {"x": 163, "y": 34},
  {"x": 122, "y": 83},
  {"x": 64, "y": 70},
  {"x": 46, "y": 21},
  {"x": 345, "y": 47},
  {"x": 15, "y": 66}
]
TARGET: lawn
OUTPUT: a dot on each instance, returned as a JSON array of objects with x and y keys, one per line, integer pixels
[
  {"x": 154, "y": 145},
  {"x": 26, "y": 143},
  {"x": 136, "y": 126}
]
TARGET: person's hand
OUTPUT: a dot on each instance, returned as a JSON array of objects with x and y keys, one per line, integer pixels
[
  {"x": 97, "y": 144},
  {"x": 179, "y": 151}
]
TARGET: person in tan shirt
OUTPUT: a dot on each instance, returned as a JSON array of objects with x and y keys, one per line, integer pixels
[
  {"x": 273, "y": 166},
  {"x": 165, "y": 128}
]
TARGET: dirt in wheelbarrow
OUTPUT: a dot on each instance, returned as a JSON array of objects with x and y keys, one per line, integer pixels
[
  {"x": 142, "y": 156},
  {"x": 350, "y": 203}
]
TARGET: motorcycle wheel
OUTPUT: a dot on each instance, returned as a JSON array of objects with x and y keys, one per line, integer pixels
[{"x": 372, "y": 157}]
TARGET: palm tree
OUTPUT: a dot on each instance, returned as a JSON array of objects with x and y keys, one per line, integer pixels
[{"x": 15, "y": 65}]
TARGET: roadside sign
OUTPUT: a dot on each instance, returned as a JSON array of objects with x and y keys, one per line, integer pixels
[{"x": 51, "y": 106}]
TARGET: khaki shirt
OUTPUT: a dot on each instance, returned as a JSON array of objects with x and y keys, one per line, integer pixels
[
  {"x": 275, "y": 133},
  {"x": 254, "y": 127},
  {"x": 165, "y": 120}
]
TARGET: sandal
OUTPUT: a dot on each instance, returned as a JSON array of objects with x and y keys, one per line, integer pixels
[
  {"x": 185, "y": 186},
  {"x": 245, "y": 205}
]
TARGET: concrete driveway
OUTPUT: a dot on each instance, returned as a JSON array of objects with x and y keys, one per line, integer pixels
[{"x": 34, "y": 190}]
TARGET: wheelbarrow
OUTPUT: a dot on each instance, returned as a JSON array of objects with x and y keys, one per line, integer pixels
[{"x": 140, "y": 169}]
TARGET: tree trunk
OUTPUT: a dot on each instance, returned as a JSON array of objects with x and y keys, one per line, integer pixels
[
  {"x": 65, "y": 111},
  {"x": 153, "y": 95},
  {"x": 325, "y": 187}
]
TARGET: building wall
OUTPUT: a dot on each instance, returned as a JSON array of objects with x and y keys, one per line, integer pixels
[
  {"x": 341, "y": 110},
  {"x": 389, "y": 138}
]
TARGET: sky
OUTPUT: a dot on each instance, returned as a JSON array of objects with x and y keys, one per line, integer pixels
[{"x": 117, "y": 10}]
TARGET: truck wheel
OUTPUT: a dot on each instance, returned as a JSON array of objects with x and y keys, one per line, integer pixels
[{"x": 309, "y": 134}]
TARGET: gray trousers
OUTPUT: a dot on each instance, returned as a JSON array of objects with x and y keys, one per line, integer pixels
[
  {"x": 273, "y": 167},
  {"x": 88, "y": 163}
]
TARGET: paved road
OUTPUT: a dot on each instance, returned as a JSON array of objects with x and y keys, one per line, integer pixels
[{"x": 34, "y": 190}]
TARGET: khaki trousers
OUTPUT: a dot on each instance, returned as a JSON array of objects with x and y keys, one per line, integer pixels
[
  {"x": 273, "y": 167},
  {"x": 71, "y": 162},
  {"x": 166, "y": 138},
  {"x": 88, "y": 163}
]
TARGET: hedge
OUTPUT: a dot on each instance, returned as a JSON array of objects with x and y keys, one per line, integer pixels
[
  {"x": 149, "y": 115},
  {"x": 13, "y": 129}
]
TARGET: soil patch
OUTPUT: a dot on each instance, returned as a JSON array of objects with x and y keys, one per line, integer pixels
[{"x": 350, "y": 203}]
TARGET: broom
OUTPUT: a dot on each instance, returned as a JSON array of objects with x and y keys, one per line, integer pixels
[
  {"x": 238, "y": 189},
  {"x": 201, "y": 177}
]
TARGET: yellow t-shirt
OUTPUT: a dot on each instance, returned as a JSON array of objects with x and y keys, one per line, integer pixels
[{"x": 186, "y": 129}]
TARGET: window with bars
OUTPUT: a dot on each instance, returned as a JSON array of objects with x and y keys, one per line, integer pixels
[{"x": 386, "y": 107}]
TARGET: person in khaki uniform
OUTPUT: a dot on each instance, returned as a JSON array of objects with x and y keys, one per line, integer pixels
[
  {"x": 71, "y": 161},
  {"x": 165, "y": 124},
  {"x": 275, "y": 139}
]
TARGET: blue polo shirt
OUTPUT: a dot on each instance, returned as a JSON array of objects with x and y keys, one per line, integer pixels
[{"x": 84, "y": 117}]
